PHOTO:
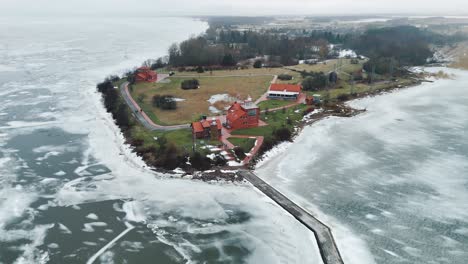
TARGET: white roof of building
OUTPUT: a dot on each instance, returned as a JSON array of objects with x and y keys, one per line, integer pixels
[{"x": 283, "y": 92}]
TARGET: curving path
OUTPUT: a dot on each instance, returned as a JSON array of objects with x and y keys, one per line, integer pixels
[{"x": 141, "y": 115}]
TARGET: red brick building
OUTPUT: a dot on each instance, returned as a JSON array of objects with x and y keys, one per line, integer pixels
[
  {"x": 244, "y": 115},
  {"x": 207, "y": 129},
  {"x": 145, "y": 74}
]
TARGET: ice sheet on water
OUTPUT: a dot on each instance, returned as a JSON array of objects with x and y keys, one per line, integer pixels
[
  {"x": 390, "y": 180},
  {"x": 79, "y": 110}
]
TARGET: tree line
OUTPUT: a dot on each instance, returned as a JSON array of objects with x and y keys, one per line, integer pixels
[
  {"x": 228, "y": 47},
  {"x": 160, "y": 153},
  {"x": 391, "y": 48}
]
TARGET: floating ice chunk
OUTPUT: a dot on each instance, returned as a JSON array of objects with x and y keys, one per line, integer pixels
[
  {"x": 48, "y": 155},
  {"x": 88, "y": 227},
  {"x": 134, "y": 211},
  {"x": 60, "y": 173},
  {"x": 92, "y": 216},
  {"x": 64, "y": 229},
  {"x": 53, "y": 245},
  {"x": 371, "y": 217},
  {"x": 390, "y": 252}
]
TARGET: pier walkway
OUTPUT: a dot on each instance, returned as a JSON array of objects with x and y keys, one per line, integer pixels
[{"x": 326, "y": 242}]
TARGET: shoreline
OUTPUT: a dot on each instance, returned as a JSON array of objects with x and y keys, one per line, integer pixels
[
  {"x": 231, "y": 174},
  {"x": 267, "y": 166},
  {"x": 340, "y": 109}
]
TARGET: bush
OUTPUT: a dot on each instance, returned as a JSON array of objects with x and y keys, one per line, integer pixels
[
  {"x": 141, "y": 98},
  {"x": 169, "y": 159},
  {"x": 165, "y": 102},
  {"x": 274, "y": 64},
  {"x": 131, "y": 79},
  {"x": 112, "y": 78},
  {"x": 314, "y": 81},
  {"x": 282, "y": 134},
  {"x": 228, "y": 60},
  {"x": 240, "y": 153},
  {"x": 285, "y": 77},
  {"x": 158, "y": 64},
  {"x": 257, "y": 64},
  {"x": 200, "y": 162},
  {"x": 268, "y": 143},
  {"x": 200, "y": 69},
  {"x": 190, "y": 84},
  {"x": 219, "y": 160},
  {"x": 343, "y": 97},
  {"x": 308, "y": 110}
]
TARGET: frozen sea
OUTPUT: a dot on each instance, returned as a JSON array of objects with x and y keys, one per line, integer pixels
[
  {"x": 68, "y": 184},
  {"x": 392, "y": 183}
]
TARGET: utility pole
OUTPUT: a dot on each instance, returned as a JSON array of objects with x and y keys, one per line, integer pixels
[
  {"x": 327, "y": 94},
  {"x": 392, "y": 67},
  {"x": 193, "y": 143}
]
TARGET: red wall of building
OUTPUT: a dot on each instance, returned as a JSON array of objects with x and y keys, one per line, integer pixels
[{"x": 245, "y": 121}]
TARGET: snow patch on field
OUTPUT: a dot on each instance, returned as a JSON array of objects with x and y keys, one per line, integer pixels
[
  {"x": 221, "y": 97},
  {"x": 214, "y": 110},
  {"x": 347, "y": 53}
]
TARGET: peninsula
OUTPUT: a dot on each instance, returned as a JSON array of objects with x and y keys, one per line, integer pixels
[
  {"x": 218, "y": 101},
  {"x": 221, "y": 99}
]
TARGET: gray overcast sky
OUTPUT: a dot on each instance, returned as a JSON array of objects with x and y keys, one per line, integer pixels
[{"x": 235, "y": 7}]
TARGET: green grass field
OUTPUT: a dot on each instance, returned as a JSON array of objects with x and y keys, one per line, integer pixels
[
  {"x": 195, "y": 102},
  {"x": 275, "y": 120},
  {"x": 345, "y": 88},
  {"x": 245, "y": 143},
  {"x": 270, "y": 104}
]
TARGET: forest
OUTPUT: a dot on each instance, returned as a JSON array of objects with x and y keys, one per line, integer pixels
[
  {"x": 228, "y": 47},
  {"x": 388, "y": 48}
]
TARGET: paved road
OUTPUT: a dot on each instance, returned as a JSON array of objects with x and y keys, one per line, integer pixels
[
  {"x": 326, "y": 242},
  {"x": 141, "y": 115}
]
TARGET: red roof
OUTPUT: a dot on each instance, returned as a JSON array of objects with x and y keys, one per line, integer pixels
[
  {"x": 197, "y": 127},
  {"x": 146, "y": 74},
  {"x": 235, "y": 106},
  {"x": 144, "y": 68},
  {"x": 201, "y": 125},
  {"x": 235, "y": 112},
  {"x": 280, "y": 87}
]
